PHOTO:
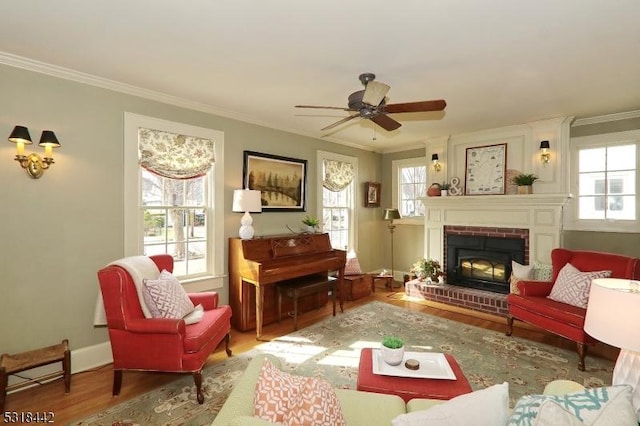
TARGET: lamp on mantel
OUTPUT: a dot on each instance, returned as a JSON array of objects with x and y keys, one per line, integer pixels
[
  {"x": 613, "y": 316},
  {"x": 391, "y": 215},
  {"x": 247, "y": 201}
]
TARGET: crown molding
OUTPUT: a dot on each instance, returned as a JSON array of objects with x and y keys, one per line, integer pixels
[{"x": 606, "y": 118}]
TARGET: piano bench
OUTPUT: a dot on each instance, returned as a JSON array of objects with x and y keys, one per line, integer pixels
[{"x": 304, "y": 286}]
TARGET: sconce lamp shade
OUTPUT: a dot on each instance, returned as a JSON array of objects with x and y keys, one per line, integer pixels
[
  {"x": 246, "y": 200},
  {"x": 49, "y": 138},
  {"x": 20, "y": 134},
  {"x": 544, "y": 144},
  {"x": 434, "y": 157},
  {"x": 613, "y": 313},
  {"x": 391, "y": 214}
]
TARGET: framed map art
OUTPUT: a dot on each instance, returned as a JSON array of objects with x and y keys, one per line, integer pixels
[{"x": 485, "y": 170}]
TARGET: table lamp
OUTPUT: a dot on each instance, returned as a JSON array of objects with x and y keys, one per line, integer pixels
[
  {"x": 613, "y": 316},
  {"x": 391, "y": 215},
  {"x": 246, "y": 200}
]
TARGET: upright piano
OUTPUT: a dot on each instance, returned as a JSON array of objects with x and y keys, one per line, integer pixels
[{"x": 256, "y": 265}]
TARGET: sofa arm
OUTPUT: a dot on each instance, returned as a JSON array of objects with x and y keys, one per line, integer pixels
[
  {"x": 208, "y": 299},
  {"x": 535, "y": 288},
  {"x": 155, "y": 326},
  {"x": 561, "y": 387}
]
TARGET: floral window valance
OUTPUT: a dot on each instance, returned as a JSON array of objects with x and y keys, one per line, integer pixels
[
  {"x": 337, "y": 175},
  {"x": 173, "y": 155}
]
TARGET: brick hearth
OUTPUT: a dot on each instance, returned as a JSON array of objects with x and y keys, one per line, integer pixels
[{"x": 478, "y": 300}]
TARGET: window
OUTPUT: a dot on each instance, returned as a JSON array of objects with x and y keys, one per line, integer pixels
[
  {"x": 338, "y": 177},
  {"x": 605, "y": 182},
  {"x": 410, "y": 184},
  {"x": 175, "y": 208}
]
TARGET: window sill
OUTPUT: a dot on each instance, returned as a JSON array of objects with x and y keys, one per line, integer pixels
[
  {"x": 205, "y": 283},
  {"x": 629, "y": 226}
]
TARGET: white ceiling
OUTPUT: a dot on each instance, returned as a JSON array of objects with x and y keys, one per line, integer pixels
[{"x": 496, "y": 62}]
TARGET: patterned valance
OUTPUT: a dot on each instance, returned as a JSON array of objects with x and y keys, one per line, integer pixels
[
  {"x": 337, "y": 175},
  {"x": 173, "y": 155}
]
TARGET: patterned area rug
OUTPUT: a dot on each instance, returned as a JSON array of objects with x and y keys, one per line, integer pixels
[{"x": 331, "y": 349}]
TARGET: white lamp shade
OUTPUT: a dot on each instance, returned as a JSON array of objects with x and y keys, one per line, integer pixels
[
  {"x": 613, "y": 313},
  {"x": 246, "y": 200}
]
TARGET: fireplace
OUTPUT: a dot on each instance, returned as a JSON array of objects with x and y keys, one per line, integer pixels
[{"x": 481, "y": 261}]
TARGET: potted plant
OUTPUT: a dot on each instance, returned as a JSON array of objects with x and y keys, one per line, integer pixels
[
  {"x": 444, "y": 189},
  {"x": 392, "y": 350},
  {"x": 312, "y": 223},
  {"x": 525, "y": 182},
  {"x": 427, "y": 268}
]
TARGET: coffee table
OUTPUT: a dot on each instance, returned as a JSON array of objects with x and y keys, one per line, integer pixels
[{"x": 411, "y": 387}]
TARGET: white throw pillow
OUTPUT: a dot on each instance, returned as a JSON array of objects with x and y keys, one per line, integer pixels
[
  {"x": 165, "y": 297},
  {"x": 486, "y": 407},
  {"x": 605, "y": 406},
  {"x": 572, "y": 286},
  {"x": 524, "y": 272}
]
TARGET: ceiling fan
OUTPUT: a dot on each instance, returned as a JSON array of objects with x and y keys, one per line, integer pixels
[{"x": 370, "y": 104}]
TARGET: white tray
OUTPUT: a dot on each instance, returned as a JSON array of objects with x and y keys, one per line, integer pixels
[{"x": 432, "y": 366}]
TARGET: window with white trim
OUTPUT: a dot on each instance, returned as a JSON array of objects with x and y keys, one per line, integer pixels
[
  {"x": 605, "y": 182},
  {"x": 338, "y": 177},
  {"x": 409, "y": 185},
  {"x": 174, "y": 181}
]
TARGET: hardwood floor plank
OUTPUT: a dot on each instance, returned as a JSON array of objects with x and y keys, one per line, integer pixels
[{"x": 91, "y": 390}]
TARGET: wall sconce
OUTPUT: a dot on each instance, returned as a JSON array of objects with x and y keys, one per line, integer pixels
[
  {"x": 246, "y": 200},
  {"x": 33, "y": 164},
  {"x": 436, "y": 162},
  {"x": 545, "y": 156}
]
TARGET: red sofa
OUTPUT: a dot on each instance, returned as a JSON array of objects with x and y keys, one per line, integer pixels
[{"x": 533, "y": 306}]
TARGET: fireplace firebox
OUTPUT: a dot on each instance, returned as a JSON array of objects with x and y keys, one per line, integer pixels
[{"x": 482, "y": 262}]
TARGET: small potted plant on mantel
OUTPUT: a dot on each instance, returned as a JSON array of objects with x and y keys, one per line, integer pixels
[
  {"x": 444, "y": 189},
  {"x": 524, "y": 181},
  {"x": 392, "y": 350},
  {"x": 312, "y": 224}
]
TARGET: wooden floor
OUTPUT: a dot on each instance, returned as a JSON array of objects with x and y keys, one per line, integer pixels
[{"x": 91, "y": 390}]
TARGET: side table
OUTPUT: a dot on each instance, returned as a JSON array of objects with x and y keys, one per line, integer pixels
[{"x": 389, "y": 282}]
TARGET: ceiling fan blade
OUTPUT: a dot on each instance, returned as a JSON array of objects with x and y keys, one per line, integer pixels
[
  {"x": 323, "y": 107},
  {"x": 423, "y": 106},
  {"x": 385, "y": 122},
  {"x": 337, "y": 123},
  {"x": 374, "y": 93}
]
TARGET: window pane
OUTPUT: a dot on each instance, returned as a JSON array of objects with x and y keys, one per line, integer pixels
[
  {"x": 621, "y": 207},
  {"x": 412, "y": 186},
  {"x": 621, "y": 157},
  {"x": 592, "y": 160},
  {"x": 592, "y": 208}
]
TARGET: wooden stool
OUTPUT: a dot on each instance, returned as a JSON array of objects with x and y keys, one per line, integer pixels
[
  {"x": 11, "y": 364},
  {"x": 304, "y": 286}
]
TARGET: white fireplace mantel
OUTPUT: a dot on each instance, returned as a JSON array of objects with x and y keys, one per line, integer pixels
[{"x": 541, "y": 214}]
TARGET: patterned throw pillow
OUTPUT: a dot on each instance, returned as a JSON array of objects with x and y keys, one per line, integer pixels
[
  {"x": 572, "y": 286},
  {"x": 165, "y": 297},
  {"x": 542, "y": 271},
  {"x": 598, "y": 407},
  {"x": 317, "y": 404},
  {"x": 274, "y": 390},
  {"x": 352, "y": 267}
]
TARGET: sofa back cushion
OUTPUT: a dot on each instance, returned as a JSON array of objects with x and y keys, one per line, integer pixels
[{"x": 589, "y": 261}]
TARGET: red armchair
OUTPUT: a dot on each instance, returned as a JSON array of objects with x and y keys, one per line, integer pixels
[
  {"x": 533, "y": 306},
  {"x": 159, "y": 344}
]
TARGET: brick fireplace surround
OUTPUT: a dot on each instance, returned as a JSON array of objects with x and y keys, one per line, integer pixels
[{"x": 535, "y": 218}]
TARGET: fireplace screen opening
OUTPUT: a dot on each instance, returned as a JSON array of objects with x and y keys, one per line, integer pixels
[{"x": 483, "y": 269}]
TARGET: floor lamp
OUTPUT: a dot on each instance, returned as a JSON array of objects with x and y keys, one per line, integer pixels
[
  {"x": 613, "y": 315},
  {"x": 391, "y": 215}
]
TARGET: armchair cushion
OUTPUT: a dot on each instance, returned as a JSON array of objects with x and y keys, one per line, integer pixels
[
  {"x": 165, "y": 297},
  {"x": 572, "y": 286}
]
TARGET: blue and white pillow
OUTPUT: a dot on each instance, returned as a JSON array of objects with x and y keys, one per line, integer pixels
[{"x": 598, "y": 407}]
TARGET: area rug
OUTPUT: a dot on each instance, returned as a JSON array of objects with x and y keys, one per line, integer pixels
[{"x": 331, "y": 349}]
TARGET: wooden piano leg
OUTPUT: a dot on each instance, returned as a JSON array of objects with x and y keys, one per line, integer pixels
[
  {"x": 341, "y": 287},
  {"x": 259, "y": 311}
]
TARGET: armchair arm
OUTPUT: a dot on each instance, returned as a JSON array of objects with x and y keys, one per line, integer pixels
[
  {"x": 155, "y": 326},
  {"x": 535, "y": 288},
  {"x": 208, "y": 299}
]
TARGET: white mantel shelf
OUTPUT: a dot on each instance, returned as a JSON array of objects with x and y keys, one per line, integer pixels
[{"x": 540, "y": 213}]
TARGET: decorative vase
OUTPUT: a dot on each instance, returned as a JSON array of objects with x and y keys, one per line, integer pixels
[
  {"x": 392, "y": 356},
  {"x": 434, "y": 190},
  {"x": 525, "y": 189},
  {"x": 444, "y": 192},
  {"x": 311, "y": 229}
]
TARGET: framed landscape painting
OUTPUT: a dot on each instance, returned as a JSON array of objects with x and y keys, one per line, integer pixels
[
  {"x": 281, "y": 180},
  {"x": 485, "y": 170}
]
